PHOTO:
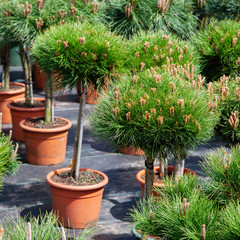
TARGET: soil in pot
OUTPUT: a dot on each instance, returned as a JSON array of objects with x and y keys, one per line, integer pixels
[
  {"x": 36, "y": 104},
  {"x": 138, "y": 234},
  {"x": 40, "y": 123}
]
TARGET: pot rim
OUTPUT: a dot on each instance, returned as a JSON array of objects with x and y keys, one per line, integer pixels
[
  {"x": 13, "y": 92},
  {"x": 24, "y": 109},
  {"x": 46, "y": 130},
  {"x": 76, "y": 188},
  {"x": 170, "y": 168}
]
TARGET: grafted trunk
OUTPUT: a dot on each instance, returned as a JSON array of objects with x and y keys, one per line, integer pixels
[
  {"x": 79, "y": 132},
  {"x": 179, "y": 162},
  {"x": 49, "y": 116},
  {"x": 27, "y": 69},
  {"x": 148, "y": 177},
  {"x": 6, "y": 64}
]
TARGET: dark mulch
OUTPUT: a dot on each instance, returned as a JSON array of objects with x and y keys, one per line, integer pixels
[
  {"x": 39, "y": 123},
  {"x": 36, "y": 104},
  {"x": 86, "y": 178}
]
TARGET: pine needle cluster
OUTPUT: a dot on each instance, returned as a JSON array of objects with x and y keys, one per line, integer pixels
[
  {"x": 89, "y": 53},
  {"x": 223, "y": 171},
  {"x": 160, "y": 49},
  {"x": 219, "y": 49},
  {"x": 43, "y": 227},
  {"x": 130, "y": 17},
  {"x": 156, "y": 111}
]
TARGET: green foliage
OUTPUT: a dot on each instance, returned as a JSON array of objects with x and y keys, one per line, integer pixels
[
  {"x": 226, "y": 94},
  {"x": 43, "y": 227},
  {"x": 181, "y": 188},
  {"x": 160, "y": 49},
  {"x": 176, "y": 219},
  {"x": 24, "y": 27},
  {"x": 128, "y": 18},
  {"x": 223, "y": 171},
  {"x": 219, "y": 49},
  {"x": 8, "y": 162},
  {"x": 90, "y": 53},
  {"x": 228, "y": 224},
  {"x": 155, "y": 112},
  {"x": 174, "y": 16}
]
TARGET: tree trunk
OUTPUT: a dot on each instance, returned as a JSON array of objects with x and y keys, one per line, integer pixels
[
  {"x": 179, "y": 162},
  {"x": 79, "y": 133},
  {"x": 148, "y": 178},
  {"x": 27, "y": 69},
  {"x": 6, "y": 65},
  {"x": 49, "y": 116}
]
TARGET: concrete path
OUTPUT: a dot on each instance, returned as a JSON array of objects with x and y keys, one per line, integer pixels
[{"x": 27, "y": 191}]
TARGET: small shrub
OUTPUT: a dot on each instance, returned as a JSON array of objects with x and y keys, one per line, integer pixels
[
  {"x": 179, "y": 218},
  {"x": 223, "y": 171},
  {"x": 219, "y": 49}
]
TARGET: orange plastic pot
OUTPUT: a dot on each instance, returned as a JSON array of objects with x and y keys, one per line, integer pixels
[
  {"x": 77, "y": 206},
  {"x": 39, "y": 78},
  {"x": 159, "y": 185},
  {"x": 45, "y": 146},
  {"x": 132, "y": 151},
  {"x": 7, "y": 96},
  {"x": 91, "y": 96},
  {"x": 20, "y": 113}
]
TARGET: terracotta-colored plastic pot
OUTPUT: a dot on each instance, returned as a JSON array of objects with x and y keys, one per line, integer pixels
[
  {"x": 158, "y": 185},
  {"x": 77, "y": 206},
  {"x": 7, "y": 96},
  {"x": 92, "y": 95},
  {"x": 45, "y": 146},
  {"x": 132, "y": 151},
  {"x": 39, "y": 77},
  {"x": 20, "y": 113}
]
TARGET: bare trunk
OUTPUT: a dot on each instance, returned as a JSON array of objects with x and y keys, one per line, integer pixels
[
  {"x": 148, "y": 178},
  {"x": 49, "y": 117},
  {"x": 178, "y": 168},
  {"x": 27, "y": 68},
  {"x": 6, "y": 65},
  {"x": 79, "y": 133}
]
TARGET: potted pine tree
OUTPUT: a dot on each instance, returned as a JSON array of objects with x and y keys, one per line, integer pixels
[
  {"x": 161, "y": 113},
  {"x": 90, "y": 54}
]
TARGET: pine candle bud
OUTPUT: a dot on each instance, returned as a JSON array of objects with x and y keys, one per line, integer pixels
[
  {"x": 185, "y": 48},
  {"x": 156, "y": 47},
  {"x": 180, "y": 209},
  {"x": 142, "y": 65},
  {"x": 165, "y": 37},
  {"x": 137, "y": 54},
  {"x": 142, "y": 101},
  {"x": 157, "y": 78},
  {"x": 146, "y": 96},
  {"x": 171, "y": 110},
  {"x": 168, "y": 63},
  {"x": 160, "y": 120},
  {"x": 116, "y": 111},
  {"x": 180, "y": 103},
  {"x": 128, "y": 117},
  {"x": 225, "y": 92},
  {"x": 117, "y": 94},
  {"x": 7, "y": 13},
  {"x": 86, "y": 2},
  {"x": 39, "y": 23},
  {"x": 26, "y": 9},
  {"x": 154, "y": 91},
  {"x": 72, "y": 11},
  {"x": 52, "y": 18},
  {"x": 95, "y": 7},
  {"x": 62, "y": 13},
  {"x": 180, "y": 57},
  {"x": 186, "y": 118},
  {"x": 153, "y": 111},
  {"x": 203, "y": 232},
  {"x": 238, "y": 96},
  {"x": 234, "y": 42},
  {"x": 128, "y": 9},
  {"x": 128, "y": 105},
  {"x": 135, "y": 79},
  {"x": 172, "y": 87},
  {"x": 146, "y": 45},
  {"x": 217, "y": 99},
  {"x": 40, "y": 4},
  {"x": 156, "y": 58},
  {"x": 65, "y": 44},
  {"x": 104, "y": 55},
  {"x": 163, "y": 56},
  {"x": 147, "y": 116},
  {"x": 233, "y": 120},
  {"x": 84, "y": 54},
  {"x": 170, "y": 52}
]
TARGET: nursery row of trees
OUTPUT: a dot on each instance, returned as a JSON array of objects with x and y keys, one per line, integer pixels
[{"x": 169, "y": 77}]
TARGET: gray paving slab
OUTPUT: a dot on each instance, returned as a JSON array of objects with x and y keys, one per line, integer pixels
[{"x": 27, "y": 191}]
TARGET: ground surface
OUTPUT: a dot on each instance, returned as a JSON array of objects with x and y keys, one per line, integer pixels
[{"x": 27, "y": 191}]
